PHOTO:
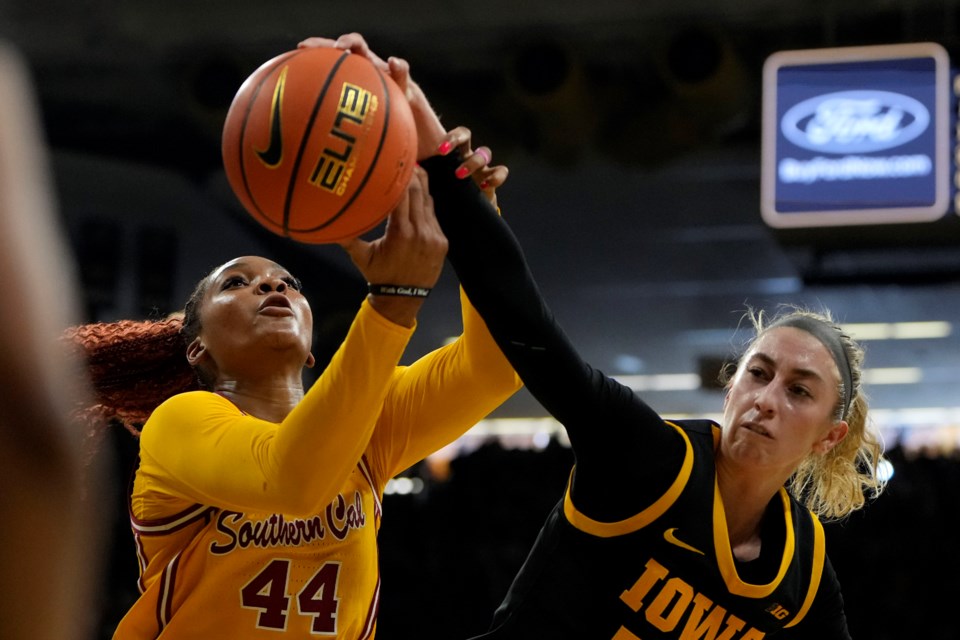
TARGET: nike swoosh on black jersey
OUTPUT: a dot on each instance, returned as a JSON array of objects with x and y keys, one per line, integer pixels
[
  {"x": 273, "y": 154},
  {"x": 670, "y": 537}
]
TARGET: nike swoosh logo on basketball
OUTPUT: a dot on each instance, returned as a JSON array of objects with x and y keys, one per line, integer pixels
[
  {"x": 273, "y": 154},
  {"x": 671, "y": 537}
]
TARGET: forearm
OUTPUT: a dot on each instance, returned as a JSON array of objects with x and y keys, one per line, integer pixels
[
  {"x": 494, "y": 273},
  {"x": 443, "y": 394},
  {"x": 616, "y": 437},
  {"x": 487, "y": 258},
  {"x": 397, "y": 309},
  {"x": 345, "y": 403}
]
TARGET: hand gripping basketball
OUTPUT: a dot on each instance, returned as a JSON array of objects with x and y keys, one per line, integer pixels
[{"x": 319, "y": 144}]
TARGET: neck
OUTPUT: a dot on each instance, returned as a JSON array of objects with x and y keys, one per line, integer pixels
[{"x": 269, "y": 399}]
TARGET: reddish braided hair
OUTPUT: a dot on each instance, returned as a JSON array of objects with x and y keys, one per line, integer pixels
[{"x": 134, "y": 365}]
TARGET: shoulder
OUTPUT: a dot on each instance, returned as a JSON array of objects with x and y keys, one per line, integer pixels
[
  {"x": 701, "y": 427},
  {"x": 701, "y": 438},
  {"x": 184, "y": 410},
  {"x": 701, "y": 433},
  {"x": 191, "y": 400}
]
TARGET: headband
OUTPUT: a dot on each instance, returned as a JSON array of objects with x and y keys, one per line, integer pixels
[{"x": 830, "y": 338}]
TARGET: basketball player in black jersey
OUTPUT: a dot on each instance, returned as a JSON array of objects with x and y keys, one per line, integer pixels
[
  {"x": 674, "y": 529},
  {"x": 668, "y": 528}
]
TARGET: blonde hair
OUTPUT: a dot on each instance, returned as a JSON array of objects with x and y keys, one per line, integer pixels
[{"x": 837, "y": 483}]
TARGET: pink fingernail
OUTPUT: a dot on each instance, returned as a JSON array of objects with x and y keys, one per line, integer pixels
[
  {"x": 461, "y": 172},
  {"x": 444, "y": 147}
]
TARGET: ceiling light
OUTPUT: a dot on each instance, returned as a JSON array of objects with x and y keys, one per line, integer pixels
[
  {"x": 892, "y": 375},
  {"x": 898, "y": 330},
  {"x": 662, "y": 382}
]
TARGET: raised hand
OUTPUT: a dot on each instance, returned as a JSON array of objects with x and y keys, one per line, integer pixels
[
  {"x": 430, "y": 130},
  {"x": 410, "y": 253},
  {"x": 475, "y": 162}
]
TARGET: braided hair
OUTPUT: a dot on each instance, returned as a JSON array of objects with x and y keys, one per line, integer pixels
[{"x": 135, "y": 365}]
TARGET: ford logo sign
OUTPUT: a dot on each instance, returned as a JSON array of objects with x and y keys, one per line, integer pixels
[{"x": 855, "y": 121}]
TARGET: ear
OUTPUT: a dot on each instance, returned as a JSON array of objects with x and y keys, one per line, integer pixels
[
  {"x": 195, "y": 352},
  {"x": 311, "y": 361},
  {"x": 832, "y": 438}
]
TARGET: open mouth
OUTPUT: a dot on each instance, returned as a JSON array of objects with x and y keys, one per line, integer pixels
[{"x": 274, "y": 303}]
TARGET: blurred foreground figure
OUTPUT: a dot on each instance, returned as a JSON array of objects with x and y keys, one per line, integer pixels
[{"x": 48, "y": 552}]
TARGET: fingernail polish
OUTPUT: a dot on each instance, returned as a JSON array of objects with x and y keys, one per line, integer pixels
[
  {"x": 461, "y": 172},
  {"x": 444, "y": 147},
  {"x": 484, "y": 184}
]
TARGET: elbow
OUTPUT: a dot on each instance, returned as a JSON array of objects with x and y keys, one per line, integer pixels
[
  {"x": 517, "y": 383},
  {"x": 511, "y": 386},
  {"x": 503, "y": 376}
]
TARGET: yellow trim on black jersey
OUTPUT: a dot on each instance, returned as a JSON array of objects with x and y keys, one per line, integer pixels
[
  {"x": 640, "y": 520},
  {"x": 725, "y": 561},
  {"x": 819, "y": 559}
]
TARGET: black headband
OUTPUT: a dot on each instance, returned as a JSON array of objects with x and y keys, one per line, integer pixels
[{"x": 830, "y": 338}]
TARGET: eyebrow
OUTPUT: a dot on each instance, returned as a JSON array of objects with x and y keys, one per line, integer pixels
[
  {"x": 797, "y": 371},
  {"x": 240, "y": 266},
  {"x": 225, "y": 268}
]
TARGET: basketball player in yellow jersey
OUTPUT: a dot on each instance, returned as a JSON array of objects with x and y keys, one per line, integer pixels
[
  {"x": 222, "y": 551},
  {"x": 256, "y": 505}
]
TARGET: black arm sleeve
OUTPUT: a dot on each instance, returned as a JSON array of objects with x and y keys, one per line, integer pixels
[{"x": 615, "y": 436}]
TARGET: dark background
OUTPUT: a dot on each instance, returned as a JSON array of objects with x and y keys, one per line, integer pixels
[{"x": 632, "y": 131}]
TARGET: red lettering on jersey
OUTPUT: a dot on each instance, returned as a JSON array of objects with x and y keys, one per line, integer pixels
[
  {"x": 341, "y": 517},
  {"x": 273, "y": 531},
  {"x": 277, "y": 531}
]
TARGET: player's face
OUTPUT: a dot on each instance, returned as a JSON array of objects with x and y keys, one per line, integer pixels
[
  {"x": 781, "y": 402},
  {"x": 252, "y": 304}
]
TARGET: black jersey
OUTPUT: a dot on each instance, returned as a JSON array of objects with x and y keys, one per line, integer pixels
[
  {"x": 668, "y": 571},
  {"x": 638, "y": 546}
]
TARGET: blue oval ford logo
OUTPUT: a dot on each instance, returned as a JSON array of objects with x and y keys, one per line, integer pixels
[{"x": 855, "y": 121}]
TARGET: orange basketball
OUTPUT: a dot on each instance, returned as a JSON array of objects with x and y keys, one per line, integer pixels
[{"x": 319, "y": 145}]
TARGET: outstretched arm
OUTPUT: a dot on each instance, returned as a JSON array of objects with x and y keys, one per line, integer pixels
[
  {"x": 618, "y": 440},
  {"x": 493, "y": 270},
  {"x": 443, "y": 394},
  {"x": 616, "y": 437}
]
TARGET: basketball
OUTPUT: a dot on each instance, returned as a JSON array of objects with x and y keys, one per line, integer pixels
[{"x": 319, "y": 145}]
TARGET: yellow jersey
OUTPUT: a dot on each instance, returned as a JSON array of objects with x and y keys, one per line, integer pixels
[{"x": 246, "y": 528}]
